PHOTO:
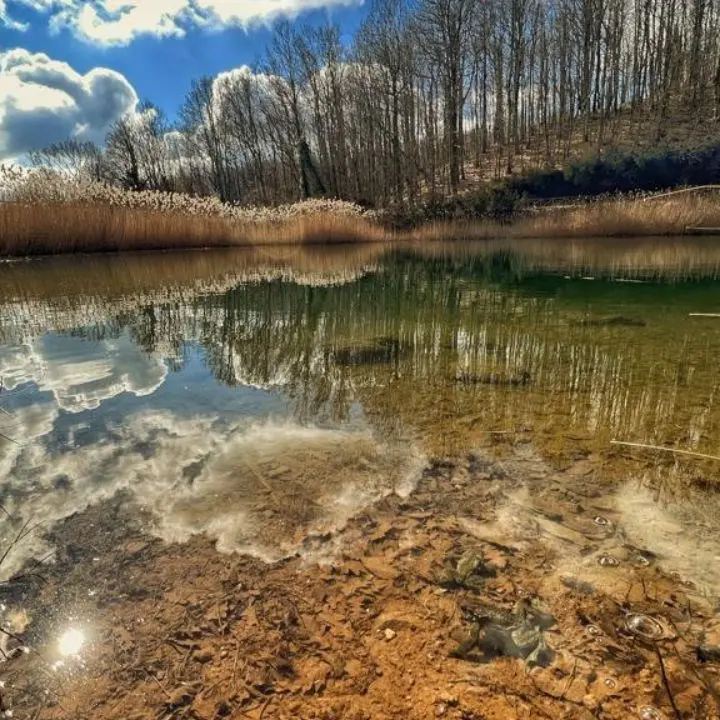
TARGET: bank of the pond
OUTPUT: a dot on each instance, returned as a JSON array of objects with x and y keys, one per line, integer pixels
[{"x": 32, "y": 228}]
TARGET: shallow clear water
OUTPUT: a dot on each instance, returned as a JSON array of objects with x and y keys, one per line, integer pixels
[{"x": 263, "y": 396}]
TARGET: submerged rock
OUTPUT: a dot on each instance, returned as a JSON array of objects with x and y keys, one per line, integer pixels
[
  {"x": 649, "y": 628},
  {"x": 379, "y": 352},
  {"x": 708, "y": 653},
  {"x": 613, "y": 321},
  {"x": 518, "y": 379},
  {"x": 468, "y": 572},
  {"x": 497, "y": 633}
]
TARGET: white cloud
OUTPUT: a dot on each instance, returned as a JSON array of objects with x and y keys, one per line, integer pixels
[
  {"x": 198, "y": 476},
  {"x": 119, "y": 22},
  {"x": 44, "y": 101},
  {"x": 82, "y": 375},
  {"x": 8, "y": 22}
]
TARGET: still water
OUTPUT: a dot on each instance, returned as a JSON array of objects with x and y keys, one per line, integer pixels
[
  {"x": 263, "y": 398},
  {"x": 170, "y": 376}
]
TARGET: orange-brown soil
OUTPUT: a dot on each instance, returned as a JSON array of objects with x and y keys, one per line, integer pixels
[{"x": 361, "y": 626}]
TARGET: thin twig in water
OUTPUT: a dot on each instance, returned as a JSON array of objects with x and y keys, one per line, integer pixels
[
  {"x": 661, "y": 448},
  {"x": 666, "y": 683},
  {"x": 264, "y": 708},
  {"x": 18, "y": 578},
  {"x": 159, "y": 684},
  {"x": 17, "y": 539},
  {"x": 569, "y": 681}
]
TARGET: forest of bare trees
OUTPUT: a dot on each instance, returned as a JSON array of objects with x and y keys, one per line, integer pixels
[{"x": 430, "y": 96}]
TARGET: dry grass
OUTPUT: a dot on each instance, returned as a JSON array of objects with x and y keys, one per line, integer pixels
[
  {"x": 667, "y": 216},
  {"x": 30, "y": 229},
  {"x": 625, "y": 218},
  {"x": 53, "y": 215}
]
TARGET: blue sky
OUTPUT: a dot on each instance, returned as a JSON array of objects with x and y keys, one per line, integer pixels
[{"x": 69, "y": 67}]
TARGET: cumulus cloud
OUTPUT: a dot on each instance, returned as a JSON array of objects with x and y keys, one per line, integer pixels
[
  {"x": 118, "y": 22},
  {"x": 198, "y": 476},
  {"x": 44, "y": 101},
  {"x": 82, "y": 375}
]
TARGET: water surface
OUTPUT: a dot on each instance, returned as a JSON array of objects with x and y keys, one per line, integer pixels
[{"x": 264, "y": 396}]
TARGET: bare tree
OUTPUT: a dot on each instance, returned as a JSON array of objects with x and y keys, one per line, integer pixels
[{"x": 84, "y": 159}]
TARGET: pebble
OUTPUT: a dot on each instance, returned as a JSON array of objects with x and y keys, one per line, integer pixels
[
  {"x": 204, "y": 655},
  {"x": 390, "y": 634}
]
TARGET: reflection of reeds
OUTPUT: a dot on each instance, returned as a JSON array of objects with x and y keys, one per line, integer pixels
[
  {"x": 134, "y": 274},
  {"x": 644, "y": 258}
]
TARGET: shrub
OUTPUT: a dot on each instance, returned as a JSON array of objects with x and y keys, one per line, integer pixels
[{"x": 622, "y": 174}]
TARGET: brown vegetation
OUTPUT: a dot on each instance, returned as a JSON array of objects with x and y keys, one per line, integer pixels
[
  {"x": 30, "y": 229},
  {"x": 671, "y": 215}
]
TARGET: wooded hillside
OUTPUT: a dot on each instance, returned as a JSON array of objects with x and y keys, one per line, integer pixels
[{"x": 430, "y": 98}]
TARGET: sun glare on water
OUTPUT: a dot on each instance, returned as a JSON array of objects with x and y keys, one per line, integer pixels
[{"x": 71, "y": 642}]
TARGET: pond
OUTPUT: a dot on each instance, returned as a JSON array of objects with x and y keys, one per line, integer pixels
[{"x": 172, "y": 425}]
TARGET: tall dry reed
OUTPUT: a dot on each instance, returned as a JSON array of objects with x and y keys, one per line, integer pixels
[
  {"x": 44, "y": 213},
  {"x": 30, "y": 229},
  {"x": 667, "y": 216}
]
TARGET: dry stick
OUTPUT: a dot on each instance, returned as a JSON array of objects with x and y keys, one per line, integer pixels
[
  {"x": 705, "y": 315},
  {"x": 17, "y": 539},
  {"x": 665, "y": 449},
  {"x": 702, "y": 230},
  {"x": 159, "y": 684},
  {"x": 264, "y": 708}
]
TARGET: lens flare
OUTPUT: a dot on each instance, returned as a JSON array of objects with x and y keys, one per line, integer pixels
[{"x": 71, "y": 642}]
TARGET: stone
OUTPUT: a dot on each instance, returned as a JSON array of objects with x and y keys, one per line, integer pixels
[{"x": 203, "y": 655}]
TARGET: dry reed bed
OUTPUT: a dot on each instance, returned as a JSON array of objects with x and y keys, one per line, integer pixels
[
  {"x": 666, "y": 216},
  {"x": 53, "y": 215},
  {"x": 30, "y": 229}
]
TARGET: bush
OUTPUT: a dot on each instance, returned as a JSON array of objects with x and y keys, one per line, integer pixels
[{"x": 623, "y": 173}]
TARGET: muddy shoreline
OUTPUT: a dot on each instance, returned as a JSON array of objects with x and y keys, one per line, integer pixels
[{"x": 375, "y": 621}]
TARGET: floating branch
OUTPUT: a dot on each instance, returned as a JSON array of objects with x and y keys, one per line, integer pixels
[
  {"x": 9, "y": 439},
  {"x": 702, "y": 230},
  {"x": 661, "y": 448},
  {"x": 682, "y": 191}
]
